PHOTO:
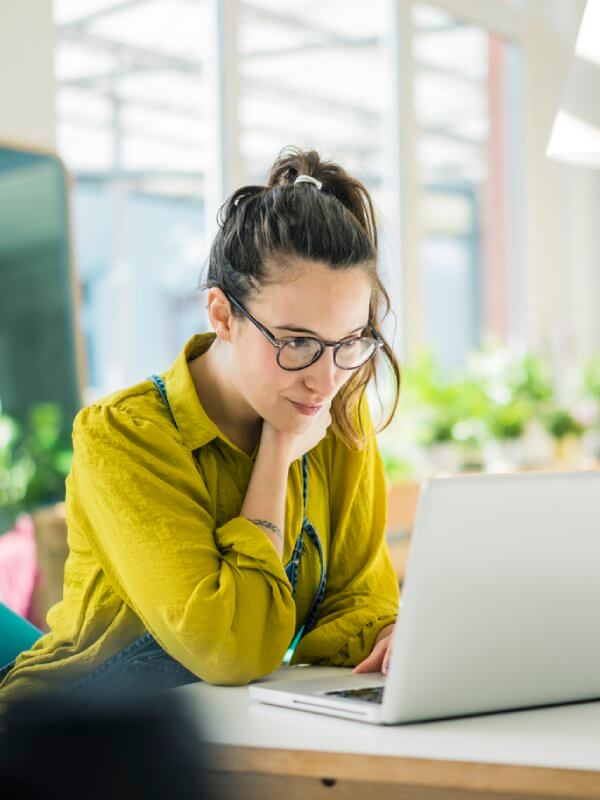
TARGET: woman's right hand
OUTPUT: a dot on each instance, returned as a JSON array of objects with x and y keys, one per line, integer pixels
[{"x": 296, "y": 445}]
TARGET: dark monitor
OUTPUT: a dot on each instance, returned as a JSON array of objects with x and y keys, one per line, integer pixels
[{"x": 39, "y": 354}]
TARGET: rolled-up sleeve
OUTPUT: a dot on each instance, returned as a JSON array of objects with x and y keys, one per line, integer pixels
[
  {"x": 362, "y": 592},
  {"x": 216, "y": 598}
]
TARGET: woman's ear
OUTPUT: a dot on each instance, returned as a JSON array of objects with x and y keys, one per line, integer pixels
[{"x": 219, "y": 313}]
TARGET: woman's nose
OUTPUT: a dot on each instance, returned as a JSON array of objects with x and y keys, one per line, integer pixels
[{"x": 322, "y": 376}]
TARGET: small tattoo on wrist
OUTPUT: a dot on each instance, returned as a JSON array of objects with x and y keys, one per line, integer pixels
[{"x": 269, "y": 525}]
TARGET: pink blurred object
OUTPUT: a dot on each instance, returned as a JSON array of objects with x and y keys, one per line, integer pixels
[{"x": 19, "y": 573}]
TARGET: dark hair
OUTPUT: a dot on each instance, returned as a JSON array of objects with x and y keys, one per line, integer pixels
[{"x": 264, "y": 229}]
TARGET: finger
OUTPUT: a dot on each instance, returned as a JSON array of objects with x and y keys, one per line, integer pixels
[
  {"x": 371, "y": 664},
  {"x": 374, "y": 660},
  {"x": 386, "y": 660}
]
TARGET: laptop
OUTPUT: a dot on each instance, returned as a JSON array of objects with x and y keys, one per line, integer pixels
[{"x": 499, "y": 609}]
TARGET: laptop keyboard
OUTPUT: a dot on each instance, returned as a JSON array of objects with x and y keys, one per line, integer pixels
[{"x": 370, "y": 694}]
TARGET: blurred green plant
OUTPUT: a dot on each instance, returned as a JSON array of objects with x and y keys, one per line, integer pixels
[
  {"x": 35, "y": 459},
  {"x": 560, "y": 423},
  {"x": 518, "y": 387},
  {"x": 509, "y": 421},
  {"x": 493, "y": 398},
  {"x": 591, "y": 378},
  {"x": 438, "y": 402}
]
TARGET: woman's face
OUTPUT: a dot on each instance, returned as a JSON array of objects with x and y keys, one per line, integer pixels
[{"x": 316, "y": 301}]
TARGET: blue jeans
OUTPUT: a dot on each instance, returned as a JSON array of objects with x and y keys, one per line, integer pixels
[
  {"x": 6, "y": 669},
  {"x": 142, "y": 664}
]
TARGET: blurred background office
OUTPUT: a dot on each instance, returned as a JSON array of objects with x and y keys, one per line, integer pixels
[{"x": 158, "y": 109}]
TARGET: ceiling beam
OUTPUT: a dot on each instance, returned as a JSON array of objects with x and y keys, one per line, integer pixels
[
  {"x": 296, "y": 21},
  {"x": 89, "y": 19},
  {"x": 366, "y": 42},
  {"x": 127, "y": 52}
]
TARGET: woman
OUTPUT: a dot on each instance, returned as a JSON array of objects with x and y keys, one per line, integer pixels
[{"x": 233, "y": 509}]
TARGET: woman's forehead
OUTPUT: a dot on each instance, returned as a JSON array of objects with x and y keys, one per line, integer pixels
[
  {"x": 309, "y": 282},
  {"x": 327, "y": 307}
]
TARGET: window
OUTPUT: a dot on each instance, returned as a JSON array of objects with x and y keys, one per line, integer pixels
[
  {"x": 132, "y": 129},
  {"x": 469, "y": 138}
]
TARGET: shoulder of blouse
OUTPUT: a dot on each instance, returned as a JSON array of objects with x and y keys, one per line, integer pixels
[
  {"x": 123, "y": 414},
  {"x": 140, "y": 402}
]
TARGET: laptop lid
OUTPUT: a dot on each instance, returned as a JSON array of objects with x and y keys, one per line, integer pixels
[{"x": 500, "y": 607}]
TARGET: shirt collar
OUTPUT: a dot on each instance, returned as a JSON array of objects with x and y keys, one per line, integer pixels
[{"x": 195, "y": 426}]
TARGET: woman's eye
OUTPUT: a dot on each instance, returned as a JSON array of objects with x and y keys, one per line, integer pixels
[{"x": 300, "y": 342}]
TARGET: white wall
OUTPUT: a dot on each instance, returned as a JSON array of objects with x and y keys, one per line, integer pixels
[{"x": 27, "y": 73}]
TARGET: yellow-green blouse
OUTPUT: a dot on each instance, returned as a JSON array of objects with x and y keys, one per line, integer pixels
[{"x": 156, "y": 543}]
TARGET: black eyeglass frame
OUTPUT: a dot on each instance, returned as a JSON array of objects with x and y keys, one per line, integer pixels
[{"x": 280, "y": 343}]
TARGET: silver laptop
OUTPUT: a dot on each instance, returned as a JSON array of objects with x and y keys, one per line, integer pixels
[{"x": 500, "y": 607}]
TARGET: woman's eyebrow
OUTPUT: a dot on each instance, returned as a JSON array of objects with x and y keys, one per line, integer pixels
[{"x": 308, "y": 330}]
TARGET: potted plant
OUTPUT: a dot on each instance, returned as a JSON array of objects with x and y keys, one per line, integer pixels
[
  {"x": 435, "y": 405},
  {"x": 566, "y": 431},
  {"x": 507, "y": 425},
  {"x": 518, "y": 386}
]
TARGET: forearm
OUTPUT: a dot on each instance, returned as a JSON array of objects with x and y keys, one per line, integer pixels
[{"x": 264, "y": 503}]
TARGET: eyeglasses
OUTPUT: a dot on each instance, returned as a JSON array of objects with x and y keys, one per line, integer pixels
[{"x": 299, "y": 352}]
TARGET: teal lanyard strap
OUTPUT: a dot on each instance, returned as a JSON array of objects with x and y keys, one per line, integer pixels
[{"x": 292, "y": 567}]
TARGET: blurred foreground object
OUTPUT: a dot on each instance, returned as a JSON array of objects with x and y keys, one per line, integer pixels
[
  {"x": 50, "y": 526},
  {"x": 32, "y": 563},
  {"x": 102, "y": 745},
  {"x": 35, "y": 458},
  {"x": 18, "y": 567}
]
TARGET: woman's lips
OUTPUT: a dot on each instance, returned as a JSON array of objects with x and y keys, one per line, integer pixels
[{"x": 308, "y": 411}]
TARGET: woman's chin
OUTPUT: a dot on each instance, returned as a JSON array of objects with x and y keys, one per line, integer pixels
[
  {"x": 290, "y": 422},
  {"x": 293, "y": 425}
]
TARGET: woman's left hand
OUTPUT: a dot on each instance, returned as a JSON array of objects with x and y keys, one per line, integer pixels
[{"x": 381, "y": 653}]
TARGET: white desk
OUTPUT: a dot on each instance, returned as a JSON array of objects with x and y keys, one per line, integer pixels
[{"x": 265, "y": 751}]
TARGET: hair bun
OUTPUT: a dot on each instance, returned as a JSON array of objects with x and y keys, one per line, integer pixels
[
  {"x": 293, "y": 162},
  {"x": 334, "y": 179}
]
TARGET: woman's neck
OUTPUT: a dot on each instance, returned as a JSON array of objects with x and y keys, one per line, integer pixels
[{"x": 220, "y": 398}]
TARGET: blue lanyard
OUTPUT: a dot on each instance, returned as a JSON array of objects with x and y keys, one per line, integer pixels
[{"x": 292, "y": 567}]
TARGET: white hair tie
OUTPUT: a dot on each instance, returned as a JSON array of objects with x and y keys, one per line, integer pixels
[{"x": 308, "y": 179}]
